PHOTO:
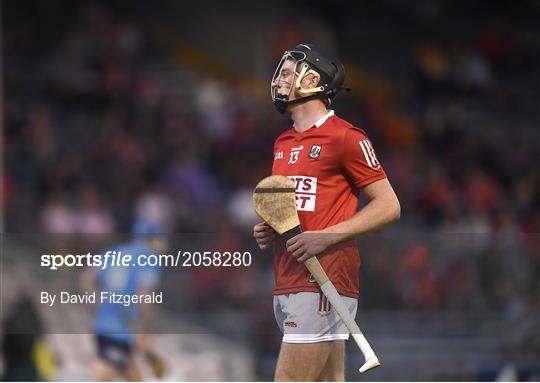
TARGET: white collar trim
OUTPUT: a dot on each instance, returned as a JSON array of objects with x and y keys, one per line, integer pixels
[{"x": 323, "y": 119}]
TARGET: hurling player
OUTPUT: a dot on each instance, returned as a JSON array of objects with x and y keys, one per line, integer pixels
[{"x": 331, "y": 162}]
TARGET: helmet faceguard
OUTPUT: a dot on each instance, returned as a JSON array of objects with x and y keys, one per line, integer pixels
[{"x": 306, "y": 59}]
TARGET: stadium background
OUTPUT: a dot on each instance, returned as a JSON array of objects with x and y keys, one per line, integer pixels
[{"x": 114, "y": 110}]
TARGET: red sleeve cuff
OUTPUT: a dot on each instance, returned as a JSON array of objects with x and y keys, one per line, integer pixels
[{"x": 366, "y": 181}]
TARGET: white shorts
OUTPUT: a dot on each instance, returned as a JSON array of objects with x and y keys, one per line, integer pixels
[{"x": 309, "y": 318}]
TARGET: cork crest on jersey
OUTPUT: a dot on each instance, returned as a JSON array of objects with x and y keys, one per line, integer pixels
[{"x": 315, "y": 151}]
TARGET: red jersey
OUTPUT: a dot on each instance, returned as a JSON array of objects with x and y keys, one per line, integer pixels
[{"x": 330, "y": 163}]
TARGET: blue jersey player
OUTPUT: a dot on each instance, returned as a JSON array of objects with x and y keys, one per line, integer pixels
[{"x": 118, "y": 327}]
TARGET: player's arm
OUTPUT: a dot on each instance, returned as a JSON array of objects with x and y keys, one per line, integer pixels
[
  {"x": 148, "y": 281},
  {"x": 383, "y": 207},
  {"x": 143, "y": 329},
  {"x": 144, "y": 339},
  {"x": 146, "y": 311}
]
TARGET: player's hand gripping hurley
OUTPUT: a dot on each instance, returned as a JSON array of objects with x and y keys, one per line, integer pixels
[{"x": 274, "y": 202}]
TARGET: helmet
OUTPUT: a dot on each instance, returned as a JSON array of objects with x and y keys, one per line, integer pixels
[{"x": 308, "y": 57}]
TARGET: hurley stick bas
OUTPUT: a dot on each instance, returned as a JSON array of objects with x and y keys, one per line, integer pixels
[{"x": 274, "y": 202}]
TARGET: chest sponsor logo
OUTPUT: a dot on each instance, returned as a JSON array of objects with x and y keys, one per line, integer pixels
[
  {"x": 315, "y": 151},
  {"x": 295, "y": 153},
  {"x": 305, "y": 192},
  {"x": 278, "y": 156}
]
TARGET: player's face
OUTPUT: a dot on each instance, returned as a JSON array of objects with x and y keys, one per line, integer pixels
[{"x": 284, "y": 82}]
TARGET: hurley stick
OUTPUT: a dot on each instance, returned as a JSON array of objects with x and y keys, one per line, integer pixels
[{"x": 274, "y": 202}]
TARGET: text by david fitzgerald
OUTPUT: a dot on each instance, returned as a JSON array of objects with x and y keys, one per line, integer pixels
[{"x": 100, "y": 297}]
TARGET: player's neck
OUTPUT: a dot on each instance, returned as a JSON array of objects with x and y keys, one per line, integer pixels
[{"x": 305, "y": 115}]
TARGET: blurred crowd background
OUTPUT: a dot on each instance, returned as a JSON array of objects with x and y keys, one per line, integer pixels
[{"x": 117, "y": 110}]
